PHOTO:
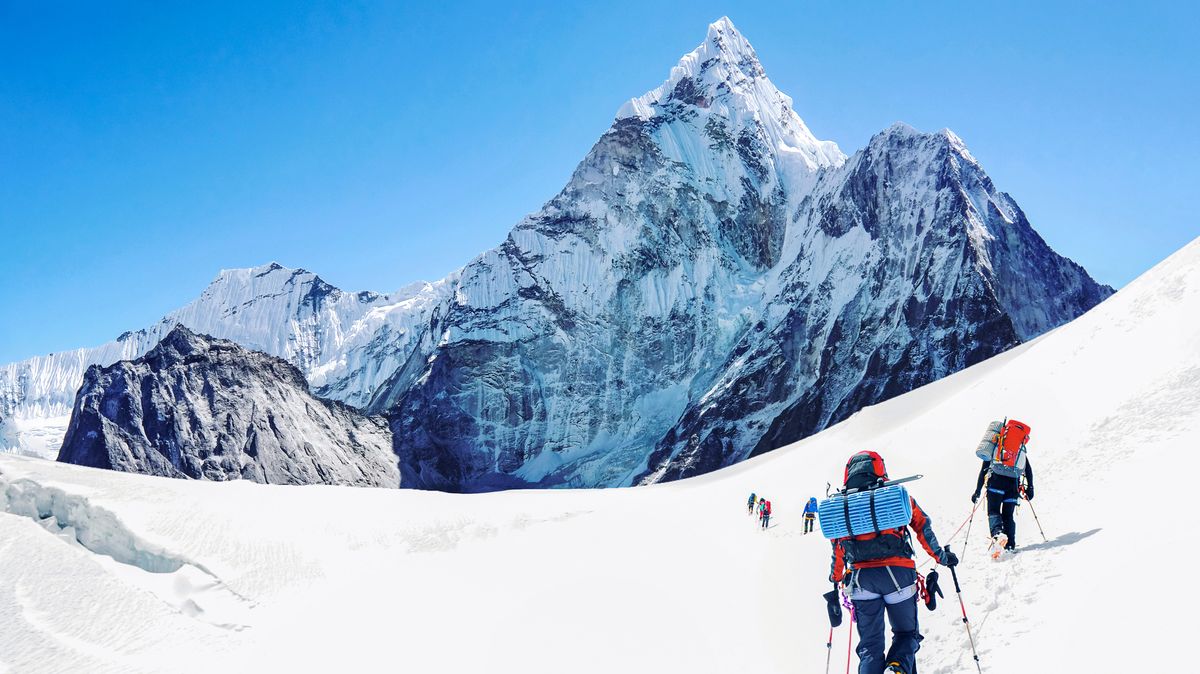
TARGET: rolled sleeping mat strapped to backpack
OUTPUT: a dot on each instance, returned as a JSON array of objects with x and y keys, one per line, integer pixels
[
  {"x": 868, "y": 511},
  {"x": 987, "y": 446}
]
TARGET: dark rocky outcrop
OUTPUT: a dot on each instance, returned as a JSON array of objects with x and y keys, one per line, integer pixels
[{"x": 205, "y": 408}]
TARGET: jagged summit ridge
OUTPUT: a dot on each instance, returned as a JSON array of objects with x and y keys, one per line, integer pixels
[
  {"x": 725, "y": 59},
  {"x": 723, "y": 77}
]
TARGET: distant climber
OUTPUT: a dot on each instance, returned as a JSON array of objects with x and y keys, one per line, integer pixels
[
  {"x": 879, "y": 574},
  {"x": 766, "y": 513},
  {"x": 810, "y": 514},
  {"x": 1002, "y": 472},
  {"x": 750, "y": 503}
]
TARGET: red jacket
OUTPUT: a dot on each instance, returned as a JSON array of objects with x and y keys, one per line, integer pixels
[{"x": 921, "y": 526}]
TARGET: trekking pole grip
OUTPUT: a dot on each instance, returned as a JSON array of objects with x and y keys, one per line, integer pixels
[{"x": 954, "y": 575}]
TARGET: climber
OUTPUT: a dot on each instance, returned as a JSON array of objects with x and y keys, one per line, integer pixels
[
  {"x": 878, "y": 573},
  {"x": 810, "y": 514}
]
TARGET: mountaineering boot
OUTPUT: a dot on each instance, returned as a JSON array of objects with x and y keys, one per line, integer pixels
[
  {"x": 894, "y": 668},
  {"x": 999, "y": 542}
]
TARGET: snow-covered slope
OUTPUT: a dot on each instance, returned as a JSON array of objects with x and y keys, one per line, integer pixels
[
  {"x": 666, "y": 578},
  {"x": 205, "y": 408},
  {"x": 346, "y": 344}
]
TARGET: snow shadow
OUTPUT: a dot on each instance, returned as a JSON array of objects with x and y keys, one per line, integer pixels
[{"x": 1063, "y": 540}]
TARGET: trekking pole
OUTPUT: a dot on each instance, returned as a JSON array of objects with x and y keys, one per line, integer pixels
[
  {"x": 966, "y": 622},
  {"x": 829, "y": 650},
  {"x": 970, "y": 524},
  {"x": 1035, "y": 519},
  {"x": 849, "y": 639},
  {"x": 982, "y": 497}
]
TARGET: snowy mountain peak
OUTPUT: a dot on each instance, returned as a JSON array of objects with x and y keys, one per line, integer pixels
[
  {"x": 724, "y": 41},
  {"x": 271, "y": 274},
  {"x": 902, "y": 140},
  {"x": 723, "y": 78}
]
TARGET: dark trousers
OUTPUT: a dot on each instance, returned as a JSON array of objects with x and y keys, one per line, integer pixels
[
  {"x": 808, "y": 523},
  {"x": 901, "y": 615},
  {"x": 1002, "y": 505},
  {"x": 766, "y": 519}
]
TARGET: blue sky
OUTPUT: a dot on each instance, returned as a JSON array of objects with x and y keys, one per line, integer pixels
[{"x": 145, "y": 146}]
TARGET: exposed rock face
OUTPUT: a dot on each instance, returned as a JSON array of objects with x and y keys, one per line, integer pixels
[{"x": 205, "y": 408}]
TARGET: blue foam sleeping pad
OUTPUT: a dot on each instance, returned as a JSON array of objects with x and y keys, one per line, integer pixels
[{"x": 893, "y": 508}]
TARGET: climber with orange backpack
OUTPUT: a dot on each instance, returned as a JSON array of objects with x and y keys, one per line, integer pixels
[
  {"x": 1004, "y": 464},
  {"x": 875, "y": 564}
]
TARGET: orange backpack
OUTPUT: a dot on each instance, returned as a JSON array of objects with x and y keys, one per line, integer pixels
[{"x": 1008, "y": 458}]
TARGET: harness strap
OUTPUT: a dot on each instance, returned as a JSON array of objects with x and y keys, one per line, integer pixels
[
  {"x": 846, "y": 510},
  {"x": 893, "y": 577},
  {"x": 874, "y": 519}
]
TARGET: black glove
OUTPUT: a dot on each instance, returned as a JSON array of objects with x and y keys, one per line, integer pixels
[
  {"x": 931, "y": 586},
  {"x": 974, "y": 497},
  {"x": 1028, "y": 492},
  {"x": 834, "y": 607},
  {"x": 947, "y": 558}
]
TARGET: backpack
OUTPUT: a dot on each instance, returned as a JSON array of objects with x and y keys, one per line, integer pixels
[
  {"x": 1004, "y": 446},
  {"x": 768, "y": 508},
  {"x": 871, "y": 524},
  {"x": 863, "y": 470}
]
